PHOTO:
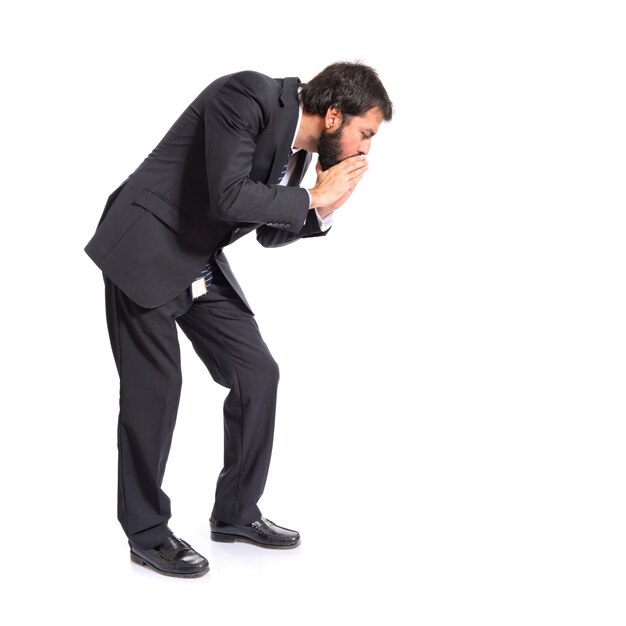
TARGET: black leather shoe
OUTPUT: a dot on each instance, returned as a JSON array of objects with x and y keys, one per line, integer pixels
[
  {"x": 262, "y": 533},
  {"x": 173, "y": 557}
]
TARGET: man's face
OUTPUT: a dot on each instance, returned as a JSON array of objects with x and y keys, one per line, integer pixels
[{"x": 349, "y": 138}]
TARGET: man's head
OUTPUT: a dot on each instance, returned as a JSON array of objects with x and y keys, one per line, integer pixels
[{"x": 352, "y": 103}]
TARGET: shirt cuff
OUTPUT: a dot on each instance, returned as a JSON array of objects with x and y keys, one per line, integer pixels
[{"x": 324, "y": 222}]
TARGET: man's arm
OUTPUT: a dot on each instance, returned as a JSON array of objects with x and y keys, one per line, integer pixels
[
  {"x": 318, "y": 222},
  {"x": 233, "y": 118}
]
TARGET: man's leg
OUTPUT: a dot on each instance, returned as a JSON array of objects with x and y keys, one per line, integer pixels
[
  {"x": 226, "y": 337},
  {"x": 146, "y": 352}
]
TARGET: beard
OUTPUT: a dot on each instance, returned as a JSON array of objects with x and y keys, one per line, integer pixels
[{"x": 329, "y": 148}]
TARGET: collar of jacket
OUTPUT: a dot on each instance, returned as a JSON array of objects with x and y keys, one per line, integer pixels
[{"x": 289, "y": 92}]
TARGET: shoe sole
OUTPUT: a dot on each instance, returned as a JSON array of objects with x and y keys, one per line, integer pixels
[
  {"x": 135, "y": 558},
  {"x": 226, "y": 538}
]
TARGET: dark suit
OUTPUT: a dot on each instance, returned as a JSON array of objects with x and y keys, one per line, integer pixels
[{"x": 207, "y": 183}]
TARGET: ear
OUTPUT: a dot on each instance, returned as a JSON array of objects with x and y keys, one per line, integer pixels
[{"x": 333, "y": 119}]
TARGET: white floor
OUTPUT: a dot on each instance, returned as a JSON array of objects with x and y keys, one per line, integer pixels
[
  {"x": 335, "y": 577},
  {"x": 454, "y": 536}
]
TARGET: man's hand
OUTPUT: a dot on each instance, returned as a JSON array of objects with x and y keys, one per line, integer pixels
[
  {"x": 324, "y": 211},
  {"x": 334, "y": 186}
]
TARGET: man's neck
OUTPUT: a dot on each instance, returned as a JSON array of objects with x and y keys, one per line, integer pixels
[{"x": 309, "y": 133}]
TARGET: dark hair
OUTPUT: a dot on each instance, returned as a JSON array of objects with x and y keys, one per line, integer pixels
[{"x": 353, "y": 88}]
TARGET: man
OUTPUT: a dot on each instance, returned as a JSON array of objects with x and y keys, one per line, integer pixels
[{"x": 229, "y": 165}]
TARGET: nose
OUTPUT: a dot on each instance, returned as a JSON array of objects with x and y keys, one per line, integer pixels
[{"x": 364, "y": 147}]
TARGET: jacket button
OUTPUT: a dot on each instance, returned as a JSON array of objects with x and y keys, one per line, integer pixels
[{"x": 236, "y": 230}]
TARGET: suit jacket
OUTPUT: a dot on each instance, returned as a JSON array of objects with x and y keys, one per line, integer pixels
[{"x": 206, "y": 184}]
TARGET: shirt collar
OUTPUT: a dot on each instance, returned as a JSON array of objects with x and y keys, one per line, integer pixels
[{"x": 293, "y": 148}]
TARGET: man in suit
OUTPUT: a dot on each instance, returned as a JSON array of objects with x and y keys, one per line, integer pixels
[{"x": 232, "y": 163}]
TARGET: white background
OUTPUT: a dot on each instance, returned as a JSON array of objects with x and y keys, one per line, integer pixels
[{"x": 450, "y": 431}]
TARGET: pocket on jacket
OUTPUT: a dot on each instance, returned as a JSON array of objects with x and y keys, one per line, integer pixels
[{"x": 163, "y": 210}]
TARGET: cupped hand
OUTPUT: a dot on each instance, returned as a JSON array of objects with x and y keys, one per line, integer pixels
[{"x": 334, "y": 186}]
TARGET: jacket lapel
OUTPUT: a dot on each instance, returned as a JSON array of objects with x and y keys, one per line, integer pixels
[{"x": 287, "y": 120}]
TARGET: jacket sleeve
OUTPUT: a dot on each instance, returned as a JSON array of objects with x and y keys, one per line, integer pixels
[
  {"x": 270, "y": 237},
  {"x": 236, "y": 114}
]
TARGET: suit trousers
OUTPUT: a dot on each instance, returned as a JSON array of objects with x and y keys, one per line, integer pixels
[{"x": 145, "y": 346}]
